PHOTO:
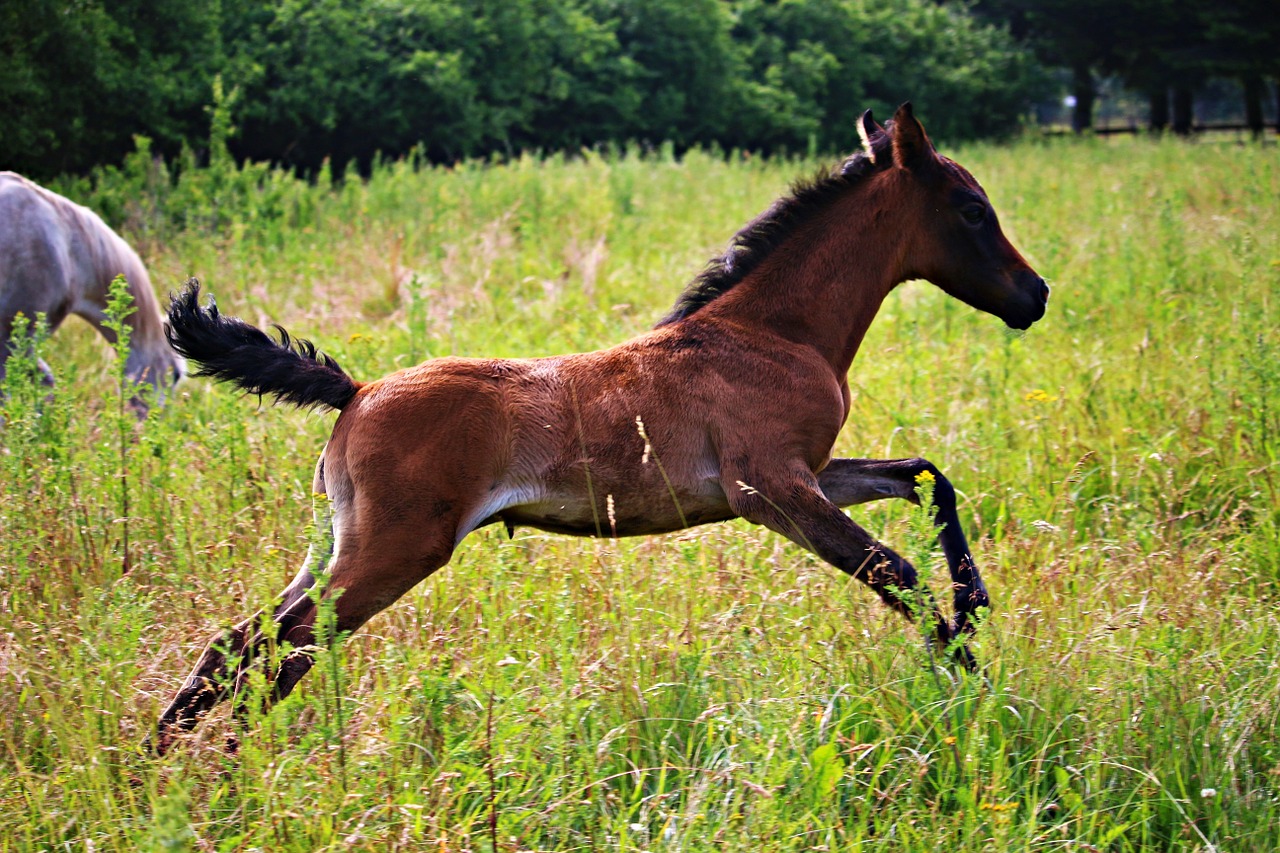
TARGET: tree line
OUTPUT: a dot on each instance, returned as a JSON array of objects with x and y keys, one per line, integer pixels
[
  {"x": 1163, "y": 49},
  {"x": 348, "y": 80}
]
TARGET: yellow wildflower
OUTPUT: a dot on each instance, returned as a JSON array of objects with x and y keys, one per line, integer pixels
[{"x": 1039, "y": 395}]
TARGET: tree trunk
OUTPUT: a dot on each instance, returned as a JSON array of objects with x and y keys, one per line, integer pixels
[
  {"x": 1277, "y": 82},
  {"x": 1085, "y": 93},
  {"x": 1253, "y": 89},
  {"x": 1182, "y": 110},
  {"x": 1159, "y": 110}
]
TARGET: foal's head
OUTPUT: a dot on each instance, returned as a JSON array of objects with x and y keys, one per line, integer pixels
[{"x": 955, "y": 240}]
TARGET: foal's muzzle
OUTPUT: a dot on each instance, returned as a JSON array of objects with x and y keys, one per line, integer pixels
[
  {"x": 1044, "y": 290},
  {"x": 1035, "y": 293}
]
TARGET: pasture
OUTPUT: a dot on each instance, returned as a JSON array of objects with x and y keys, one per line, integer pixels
[{"x": 715, "y": 689}]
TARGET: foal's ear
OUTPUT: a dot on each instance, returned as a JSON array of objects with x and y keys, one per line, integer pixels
[
  {"x": 868, "y": 128},
  {"x": 911, "y": 145}
]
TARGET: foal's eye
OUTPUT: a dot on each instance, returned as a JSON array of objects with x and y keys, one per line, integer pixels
[{"x": 974, "y": 213}]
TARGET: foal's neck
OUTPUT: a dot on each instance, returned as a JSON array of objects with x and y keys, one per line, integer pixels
[{"x": 823, "y": 286}]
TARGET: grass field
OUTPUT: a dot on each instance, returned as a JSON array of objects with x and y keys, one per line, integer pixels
[{"x": 718, "y": 689}]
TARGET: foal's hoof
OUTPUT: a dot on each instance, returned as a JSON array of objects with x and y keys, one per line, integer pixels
[
  {"x": 961, "y": 655},
  {"x": 157, "y": 743},
  {"x": 952, "y": 638}
]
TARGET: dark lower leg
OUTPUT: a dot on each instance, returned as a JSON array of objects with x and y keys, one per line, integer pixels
[
  {"x": 852, "y": 481},
  {"x": 295, "y": 665},
  {"x": 223, "y": 669},
  {"x": 208, "y": 684},
  {"x": 968, "y": 591},
  {"x": 296, "y": 630},
  {"x": 292, "y": 633},
  {"x": 808, "y": 517},
  {"x": 895, "y": 580}
]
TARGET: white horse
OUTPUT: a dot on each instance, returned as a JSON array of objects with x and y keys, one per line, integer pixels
[{"x": 58, "y": 258}]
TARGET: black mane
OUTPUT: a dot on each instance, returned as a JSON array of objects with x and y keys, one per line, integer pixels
[{"x": 759, "y": 237}]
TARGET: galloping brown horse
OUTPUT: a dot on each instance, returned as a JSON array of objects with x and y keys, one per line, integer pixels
[{"x": 728, "y": 408}]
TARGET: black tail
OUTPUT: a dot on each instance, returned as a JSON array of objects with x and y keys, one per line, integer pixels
[{"x": 233, "y": 351}]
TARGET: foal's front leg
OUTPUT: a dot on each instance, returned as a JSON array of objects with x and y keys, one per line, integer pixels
[
  {"x": 791, "y": 503},
  {"x": 846, "y": 482}
]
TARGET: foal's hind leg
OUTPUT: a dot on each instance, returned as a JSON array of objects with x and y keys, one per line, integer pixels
[
  {"x": 846, "y": 482},
  {"x": 362, "y": 582},
  {"x": 369, "y": 572},
  {"x": 227, "y": 657},
  {"x": 791, "y": 503}
]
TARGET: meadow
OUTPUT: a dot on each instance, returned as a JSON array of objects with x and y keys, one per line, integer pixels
[{"x": 1118, "y": 468}]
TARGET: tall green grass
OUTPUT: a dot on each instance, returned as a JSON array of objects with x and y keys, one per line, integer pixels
[{"x": 715, "y": 689}]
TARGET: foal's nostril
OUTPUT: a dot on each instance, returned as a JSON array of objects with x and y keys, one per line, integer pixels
[{"x": 1044, "y": 291}]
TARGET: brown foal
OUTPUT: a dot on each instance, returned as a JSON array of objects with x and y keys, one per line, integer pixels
[{"x": 728, "y": 408}]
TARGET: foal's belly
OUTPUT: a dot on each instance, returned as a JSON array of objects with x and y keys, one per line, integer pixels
[{"x": 618, "y": 515}]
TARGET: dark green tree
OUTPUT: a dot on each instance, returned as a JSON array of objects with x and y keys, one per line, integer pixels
[
  {"x": 1165, "y": 49},
  {"x": 79, "y": 80},
  {"x": 819, "y": 63},
  {"x": 1244, "y": 42},
  {"x": 685, "y": 70},
  {"x": 1082, "y": 36},
  {"x": 342, "y": 80}
]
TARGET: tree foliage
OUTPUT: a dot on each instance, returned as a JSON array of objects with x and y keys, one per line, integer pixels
[
  {"x": 78, "y": 80},
  {"x": 310, "y": 80}
]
